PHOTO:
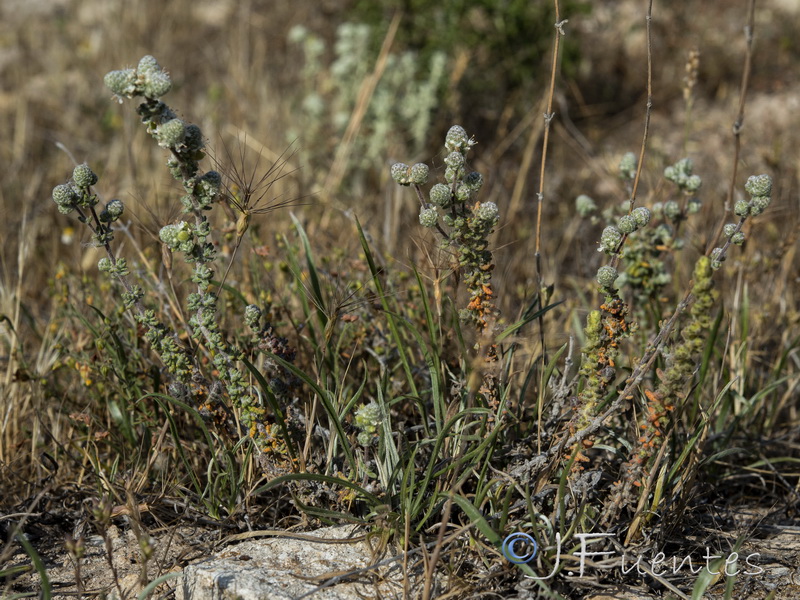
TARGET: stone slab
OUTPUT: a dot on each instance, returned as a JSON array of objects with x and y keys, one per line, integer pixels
[{"x": 275, "y": 567}]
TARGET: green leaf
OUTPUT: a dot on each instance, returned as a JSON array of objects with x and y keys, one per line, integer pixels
[
  {"x": 325, "y": 398},
  {"x": 46, "y": 591},
  {"x": 527, "y": 318},
  {"x": 150, "y": 587},
  {"x": 390, "y": 316}
]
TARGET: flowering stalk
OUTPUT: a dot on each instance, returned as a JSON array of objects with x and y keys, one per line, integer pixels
[
  {"x": 77, "y": 196},
  {"x": 681, "y": 362},
  {"x": 185, "y": 143},
  {"x": 186, "y": 146},
  {"x": 607, "y": 327},
  {"x": 467, "y": 222}
]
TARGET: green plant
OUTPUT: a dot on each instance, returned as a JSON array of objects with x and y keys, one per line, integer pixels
[
  {"x": 185, "y": 144},
  {"x": 389, "y": 101},
  {"x": 205, "y": 375},
  {"x": 398, "y": 404},
  {"x": 370, "y": 401},
  {"x": 508, "y": 38}
]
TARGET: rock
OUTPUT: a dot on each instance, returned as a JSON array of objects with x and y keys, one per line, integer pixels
[{"x": 275, "y": 567}]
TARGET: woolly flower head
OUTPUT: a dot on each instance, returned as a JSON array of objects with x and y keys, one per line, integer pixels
[
  {"x": 627, "y": 166},
  {"x": 584, "y": 205},
  {"x": 155, "y": 81},
  {"x": 693, "y": 183},
  {"x": 65, "y": 198},
  {"x": 178, "y": 236},
  {"x": 148, "y": 79},
  {"x": 717, "y": 257},
  {"x": 171, "y": 133},
  {"x": 440, "y": 195},
  {"x": 401, "y": 173},
  {"x": 741, "y": 208},
  {"x": 759, "y": 185},
  {"x": 473, "y": 181},
  {"x": 193, "y": 138},
  {"x": 454, "y": 160},
  {"x": 112, "y": 211},
  {"x": 627, "y": 224},
  {"x": 252, "y": 314},
  {"x": 610, "y": 239},
  {"x": 83, "y": 176},
  {"x": 367, "y": 419},
  {"x": 760, "y": 188},
  {"x": 428, "y": 217},
  {"x": 681, "y": 169},
  {"x": 672, "y": 210},
  {"x": 681, "y": 175},
  {"x": 759, "y": 204},
  {"x": 157, "y": 85},
  {"x": 641, "y": 215},
  {"x": 457, "y": 140},
  {"x": 487, "y": 212},
  {"x": 147, "y": 66},
  {"x": 208, "y": 186},
  {"x": 606, "y": 276},
  {"x": 122, "y": 82},
  {"x": 419, "y": 174}
]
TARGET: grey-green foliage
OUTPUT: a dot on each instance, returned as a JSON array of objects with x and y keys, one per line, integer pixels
[
  {"x": 400, "y": 109},
  {"x": 185, "y": 143}
]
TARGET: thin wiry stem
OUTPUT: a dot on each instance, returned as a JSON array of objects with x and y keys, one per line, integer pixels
[
  {"x": 738, "y": 124},
  {"x": 648, "y": 110},
  {"x": 548, "y": 119},
  {"x": 649, "y": 106},
  {"x": 652, "y": 348}
]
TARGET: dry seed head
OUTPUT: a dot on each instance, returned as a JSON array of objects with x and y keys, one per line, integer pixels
[
  {"x": 692, "y": 67},
  {"x": 242, "y": 223}
]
